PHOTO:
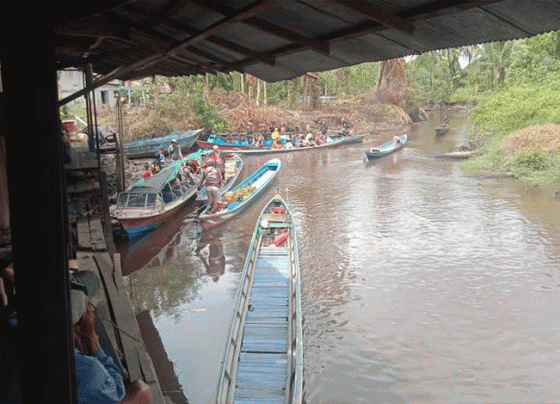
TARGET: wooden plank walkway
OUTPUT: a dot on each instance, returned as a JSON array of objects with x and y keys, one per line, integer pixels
[
  {"x": 114, "y": 308},
  {"x": 261, "y": 371}
]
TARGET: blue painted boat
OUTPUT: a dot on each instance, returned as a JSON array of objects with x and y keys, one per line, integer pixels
[
  {"x": 386, "y": 148},
  {"x": 234, "y": 165},
  {"x": 149, "y": 202},
  {"x": 149, "y": 147},
  {"x": 263, "y": 360},
  {"x": 259, "y": 180}
]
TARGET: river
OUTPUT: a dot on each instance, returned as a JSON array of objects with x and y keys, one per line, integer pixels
[{"x": 421, "y": 282}]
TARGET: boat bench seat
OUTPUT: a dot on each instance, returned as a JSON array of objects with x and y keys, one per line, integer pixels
[{"x": 275, "y": 220}]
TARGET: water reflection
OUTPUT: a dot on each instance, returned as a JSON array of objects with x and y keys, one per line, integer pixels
[
  {"x": 210, "y": 249},
  {"x": 421, "y": 283}
]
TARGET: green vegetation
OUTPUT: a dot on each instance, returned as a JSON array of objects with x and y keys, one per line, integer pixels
[{"x": 511, "y": 85}]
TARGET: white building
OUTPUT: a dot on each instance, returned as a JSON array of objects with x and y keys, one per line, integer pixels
[{"x": 71, "y": 81}]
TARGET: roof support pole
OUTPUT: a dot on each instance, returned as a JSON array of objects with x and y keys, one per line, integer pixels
[{"x": 39, "y": 222}]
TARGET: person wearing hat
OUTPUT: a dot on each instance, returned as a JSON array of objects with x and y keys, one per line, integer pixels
[
  {"x": 175, "y": 151},
  {"x": 99, "y": 379},
  {"x": 220, "y": 160}
]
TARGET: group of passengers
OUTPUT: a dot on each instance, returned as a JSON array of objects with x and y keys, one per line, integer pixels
[{"x": 283, "y": 140}]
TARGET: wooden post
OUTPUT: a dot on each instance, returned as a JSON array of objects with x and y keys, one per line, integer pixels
[
  {"x": 119, "y": 157},
  {"x": 39, "y": 222}
]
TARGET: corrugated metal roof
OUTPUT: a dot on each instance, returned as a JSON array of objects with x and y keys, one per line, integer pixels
[{"x": 276, "y": 40}]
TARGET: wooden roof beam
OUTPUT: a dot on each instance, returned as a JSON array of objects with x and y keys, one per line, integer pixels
[
  {"x": 322, "y": 47},
  {"x": 378, "y": 15},
  {"x": 242, "y": 50},
  {"x": 265, "y": 26}
]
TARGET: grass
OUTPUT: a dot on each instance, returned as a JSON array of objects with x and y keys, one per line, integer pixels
[
  {"x": 519, "y": 132},
  {"x": 532, "y": 154}
]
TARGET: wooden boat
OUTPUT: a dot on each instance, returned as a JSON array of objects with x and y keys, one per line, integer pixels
[
  {"x": 442, "y": 130},
  {"x": 257, "y": 182},
  {"x": 234, "y": 165},
  {"x": 263, "y": 360},
  {"x": 257, "y": 151},
  {"x": 149, "y": 147},
  {"x": 386, "y": 148},
  {"x": 246, "y": 149},
  {"x": 149, "y": 202},
  {"x": 349, "y": 138},
  {"x": 237, "y": 142}
]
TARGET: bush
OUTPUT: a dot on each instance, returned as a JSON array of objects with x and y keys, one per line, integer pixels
[
  {"x": 207, "y": 113},
  {"x": 518, "y": 107}
]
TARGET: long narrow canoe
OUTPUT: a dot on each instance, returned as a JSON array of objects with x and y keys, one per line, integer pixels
[
  {"x": 149, "y": 147},
  {"x": 258, "y": 181},
  {"x": 263, "y": 360},
  {"x": 257, "y": 151},
  {"x": 386, "y": 148},
  {"x": 234, "y": 165}
]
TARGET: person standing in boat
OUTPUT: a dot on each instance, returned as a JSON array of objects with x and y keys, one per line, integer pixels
[
  {"x": 249, "y": 133},
  {"x": 213, "y": 181},
  {"x": 275, "y": 136},
  {"x": 174, "y": 151},
  {"x": 220, "y": 159}
]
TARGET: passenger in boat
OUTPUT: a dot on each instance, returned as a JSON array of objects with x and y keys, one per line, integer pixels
[
  {"x": 148, "y": 173},
  {"x": 98, "y": 378},
  {"x": 275, "y": 136},
  {"x": 213, "y": 181},
  {"x": 220, "y": 159},
  {"x": 397, "y": 140},
  {"x": 323, "y": 129},
  {"x": 260, "y": 141},
  {"x": 188, "y": 174},
  {"x": 156, "y": 168},
  {"x": 160, "y": 157},
  {"x": 345, "y": 127},
  {"x": 174, "y": 151}
]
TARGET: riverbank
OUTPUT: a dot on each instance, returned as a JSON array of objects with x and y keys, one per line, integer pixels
[{"x": 531, "y": 154}]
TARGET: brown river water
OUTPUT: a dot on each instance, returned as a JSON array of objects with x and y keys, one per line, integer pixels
[{"x": 421, "y": 282}]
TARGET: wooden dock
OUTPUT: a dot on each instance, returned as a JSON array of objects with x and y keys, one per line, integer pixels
[{"x": 95, "y": 251}]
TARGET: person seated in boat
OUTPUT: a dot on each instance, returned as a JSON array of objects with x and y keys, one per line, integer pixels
[
  {"x": 397, "y": 140},
  {"x": 174, "y": 151},
  {"x": 160, "y": 157},
  {"x": 176, "y": 188},
  {"x": 156, "y": 167},
  {"x": 320, "y": 138},
  {"x": 188, "y": 174},
  {"x": 98, "y": 378},
  {"x": 309, "y": 139},
  {"x": 148, "y": 171},
  {"x": 213, "y": 181}
]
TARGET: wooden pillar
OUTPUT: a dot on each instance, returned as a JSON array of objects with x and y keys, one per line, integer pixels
[{"x": 38, "y": 217}]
